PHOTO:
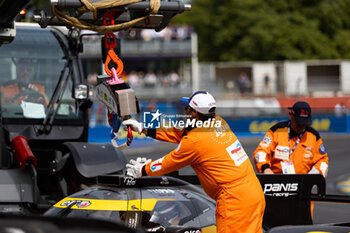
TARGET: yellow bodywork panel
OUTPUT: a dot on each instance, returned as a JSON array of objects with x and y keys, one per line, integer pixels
[
  {"x": 111, "y": 205},
  {"x": 209, "y": 229}
]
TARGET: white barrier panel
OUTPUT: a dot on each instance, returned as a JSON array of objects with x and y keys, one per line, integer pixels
[
  {"x": 264, "y": 79},
  {"x": 345, "y": 77},
  {"x": 295, "y": 81}
]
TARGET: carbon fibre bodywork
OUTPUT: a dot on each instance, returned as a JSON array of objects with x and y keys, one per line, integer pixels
[
  {"x": 151, "y": 202},
  {"x": 37, "y": 224}
]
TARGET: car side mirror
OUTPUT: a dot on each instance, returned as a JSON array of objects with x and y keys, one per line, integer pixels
[
  {"x": 182, "y": 229},
  {"x": 81, "y": 92}
]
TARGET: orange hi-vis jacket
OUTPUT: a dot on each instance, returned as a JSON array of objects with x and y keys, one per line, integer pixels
[
  {"x": 224, "y": 170},
  {"x": 275, "y": 148},
  {"x": 12, "y": 89}
]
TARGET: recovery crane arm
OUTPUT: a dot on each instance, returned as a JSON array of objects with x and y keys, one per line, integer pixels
[{"x": 148, "y": 14}]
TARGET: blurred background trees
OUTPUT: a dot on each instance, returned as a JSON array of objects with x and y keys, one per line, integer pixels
[
  {"x": 240, "y": 30},
  {"x": 270, "y": 29}
]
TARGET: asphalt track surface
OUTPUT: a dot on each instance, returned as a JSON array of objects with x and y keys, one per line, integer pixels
[{"x": 338, "y": 149}]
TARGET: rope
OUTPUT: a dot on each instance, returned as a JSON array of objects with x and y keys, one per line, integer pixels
[
  {"x": 90, "y": 7},
  {"x": 94, "y": 7}
]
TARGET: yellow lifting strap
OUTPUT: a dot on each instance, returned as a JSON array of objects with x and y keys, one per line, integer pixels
[{"x": 95, "y": 6}]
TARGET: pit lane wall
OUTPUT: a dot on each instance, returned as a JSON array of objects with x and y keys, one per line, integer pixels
[
  {"x": 254, "y": 120},
  {"x": 248, "y": 126},
  {"x": 251, "y": 126}
]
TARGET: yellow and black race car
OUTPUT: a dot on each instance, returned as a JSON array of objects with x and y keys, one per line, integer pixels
[{"x": 157, "y": 204}]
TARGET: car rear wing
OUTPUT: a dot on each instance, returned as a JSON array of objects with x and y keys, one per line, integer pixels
[{"x": 288, "y": 197}]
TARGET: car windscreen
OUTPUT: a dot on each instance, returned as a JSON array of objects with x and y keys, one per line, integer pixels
[{"x": 30, "y": 69}]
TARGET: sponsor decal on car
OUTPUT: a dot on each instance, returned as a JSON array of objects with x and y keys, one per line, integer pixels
[
  {"x": 161, "y": 191},
  {"x": 78, "y": 203},
  {"x": 194, "y": 231},
  {"x": 164, "y": 181},
  {"x": 128, "y": 180},
  {"x": 83, "y": 204}
]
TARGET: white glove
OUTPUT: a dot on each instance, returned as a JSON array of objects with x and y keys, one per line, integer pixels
[
  {"x": 135, "y": 125},
  {"x": 134, "y": 167}
]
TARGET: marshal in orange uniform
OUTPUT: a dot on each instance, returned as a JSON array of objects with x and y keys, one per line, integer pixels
[
  {"x": 219, "y": 160},
  {"x": 292, "y": 147},
  {"x": 24, "y": 87}
]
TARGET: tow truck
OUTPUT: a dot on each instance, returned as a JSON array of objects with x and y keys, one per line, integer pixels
[
  {"x": 44, "y": 153},
  {"x": 38, "y": 140}
]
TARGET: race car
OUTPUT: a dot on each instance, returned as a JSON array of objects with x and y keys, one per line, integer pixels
[
  {"x": 157, "y": 204},
  {"x": 162, "y": 203}
]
